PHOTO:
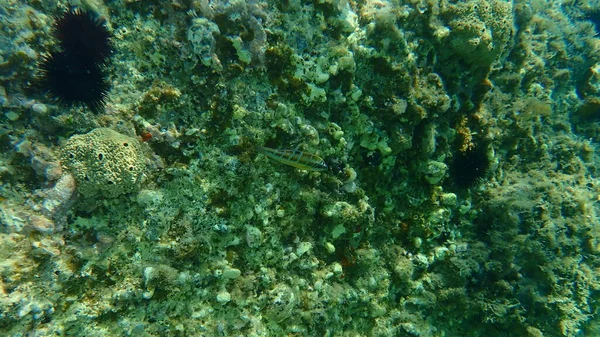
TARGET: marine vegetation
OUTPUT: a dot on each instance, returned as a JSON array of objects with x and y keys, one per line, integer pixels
[{"x": 446, "y": 182}]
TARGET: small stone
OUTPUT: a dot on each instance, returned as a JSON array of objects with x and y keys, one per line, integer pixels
[
  {"x": 281, "y": 303},
  {"x": 149, "y": 197},
  {"x": 53, "y": 171},
  {"x": 350, "y": 187},
  {"x": 45, "y": 248},
  {"x": 41, "y": 224},
  {"x": 355, "y": 95},
  {"x": 40, "y": 108},
  {"x": 417, "y": 242},
  {"x": 280, "y": 213},
  {"x": 440, "y": 253},
  {"x": 59, "y": 197},
  {"x": 303, "y": 247},
  {"x": 337, "y": 268},
  {"x": 435, "y": 171},
  {"x": 11, "y": 115},
  {"x": 223, "y": 297},
  {"x": 384, "y": 148},
  {"x": 448, "y": 199},
  {"x": 148, "y": 274},
  {"x": 253, "y": 236},
  {"x": 232, "y": 273},
  {"x": 338, "y": 230}
]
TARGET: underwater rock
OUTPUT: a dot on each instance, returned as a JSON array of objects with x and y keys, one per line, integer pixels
[
  {"x": 282, "y": 301},
  {"x": 43, "y": 161},
  {"x": 479, "y": 31},
  {"x": 60, "y": 197},
  {"x": 434, "y": 171}
]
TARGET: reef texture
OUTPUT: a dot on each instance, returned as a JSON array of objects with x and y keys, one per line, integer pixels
[{"x": 182, "y": 229}]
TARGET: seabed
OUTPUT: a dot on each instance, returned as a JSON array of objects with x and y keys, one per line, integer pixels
[{"x": 457, "y": 147}]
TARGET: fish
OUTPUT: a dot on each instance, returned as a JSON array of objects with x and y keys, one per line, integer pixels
[{"x": 298, "y": 159}]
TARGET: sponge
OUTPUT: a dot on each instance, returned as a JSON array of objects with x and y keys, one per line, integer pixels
[{"x": 104, "y": 162}]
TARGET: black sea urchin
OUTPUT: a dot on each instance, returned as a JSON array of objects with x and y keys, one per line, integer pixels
[
  {"x": 83, "y": 34},
  {"x": 69, "y": 82},
  {"x": 470, "y": 166},
  {"x": 75, "y": 74}
]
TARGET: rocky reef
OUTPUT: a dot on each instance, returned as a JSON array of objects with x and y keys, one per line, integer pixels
[{"x": 460, "y": 196}]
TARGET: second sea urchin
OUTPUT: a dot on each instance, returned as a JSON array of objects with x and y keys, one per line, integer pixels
[{"x": 470, "y": 166}]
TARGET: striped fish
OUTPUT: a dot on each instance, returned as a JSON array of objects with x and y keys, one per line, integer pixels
[{"x": 295, "y": 158}]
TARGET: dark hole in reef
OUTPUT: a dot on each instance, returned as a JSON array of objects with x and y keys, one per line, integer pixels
[
  {"x": 110, "y": 182},
  {"x": 125, "y": 144},
  {"x": 86, "y": 178},
  {"x": 130, "y": 168},
  {"x": 594, "y": 17},
  {"x": 372, "y": 158},
  {"x": 100, "y": 156},
  {"x": 71, "y": 155}
]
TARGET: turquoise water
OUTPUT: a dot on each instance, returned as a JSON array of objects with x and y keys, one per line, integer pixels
[{"x": 456, "y": 190}]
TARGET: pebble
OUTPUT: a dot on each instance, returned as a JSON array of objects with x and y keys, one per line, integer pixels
[
  {"x": 232, "y": 273},
  {"x": 253, "y": 237},
  {"x": 449, "y": 199},
  {"x": 223, "y": 297},
  {"x": 303, "y": 247},
  {"x": 337, "y": 268},
  {"x": 11, "y": 115},
  {"x": 40, "y": 108}
]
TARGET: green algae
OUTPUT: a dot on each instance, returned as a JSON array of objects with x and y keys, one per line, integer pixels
[{"x": 219, "y": 241}]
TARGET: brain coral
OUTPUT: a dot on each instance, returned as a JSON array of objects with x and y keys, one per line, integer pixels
[{"x": 104, "y": 162}]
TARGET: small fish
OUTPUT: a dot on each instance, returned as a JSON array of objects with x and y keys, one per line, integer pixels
[{"x": 295, "y": 158}]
